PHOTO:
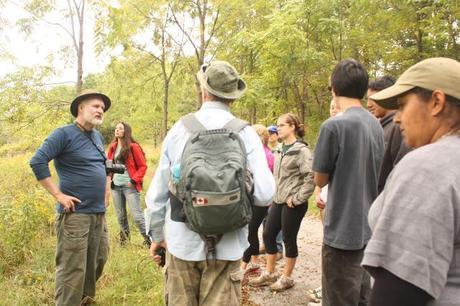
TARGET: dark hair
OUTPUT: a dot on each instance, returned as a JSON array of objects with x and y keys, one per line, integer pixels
[
  {"x": 294, "y": 120},
  {"x": 426, "y": 94},
  {"x": 126, "y": 142},
  {"x": 381, "y": 83},
  {"x": 349, "y": 79}
]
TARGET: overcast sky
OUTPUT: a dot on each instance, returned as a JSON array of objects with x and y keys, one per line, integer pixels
[{"x": 45, "y": 42}]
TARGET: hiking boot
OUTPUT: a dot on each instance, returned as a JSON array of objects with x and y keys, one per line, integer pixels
[
  {"x": 147, "y": 241},
  {"x": 124, "y": 238},
  {"x": 264, "y": 279},
  {"x": 282, "y": 284}
]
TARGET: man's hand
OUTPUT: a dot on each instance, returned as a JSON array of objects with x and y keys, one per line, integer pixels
[
  {"x": 156, "y": 246},
  {"x": 68, "y": 202},
  {"x": 289, "y": 202}
]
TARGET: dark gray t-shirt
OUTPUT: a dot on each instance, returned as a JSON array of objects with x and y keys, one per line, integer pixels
[
  {"x": 350, "y": 149},
  {"x": 416, "y": 221}
]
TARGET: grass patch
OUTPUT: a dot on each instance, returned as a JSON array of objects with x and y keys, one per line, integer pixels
[
  {"x": 28, "y": 244},
  {"x": 130, "y": 277}
]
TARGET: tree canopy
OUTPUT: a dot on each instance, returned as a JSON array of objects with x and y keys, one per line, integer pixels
[{"x": 285, "y": 51}]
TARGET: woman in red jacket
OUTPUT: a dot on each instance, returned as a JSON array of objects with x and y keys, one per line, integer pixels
[{"x": 126, "y": 187}]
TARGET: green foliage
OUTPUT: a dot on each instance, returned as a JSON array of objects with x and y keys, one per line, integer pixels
[
  {"x": 26, "y": 213},
  {"x": 28, "y": 242},
  {"x": 285, "y": 51}
]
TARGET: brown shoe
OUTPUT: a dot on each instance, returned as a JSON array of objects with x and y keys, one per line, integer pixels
[
  {"x": 264, "y": 279},
  {"x": 282, "y": 284}
]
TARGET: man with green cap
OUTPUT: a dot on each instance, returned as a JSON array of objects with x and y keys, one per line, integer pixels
[
  {"x": 82, "y": 242},
  {"x": 414, "y": 251},
  {"x": 192, "y": 277}
]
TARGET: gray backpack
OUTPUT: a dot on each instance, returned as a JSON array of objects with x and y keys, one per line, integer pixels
[{"x": 214, "y": 186}]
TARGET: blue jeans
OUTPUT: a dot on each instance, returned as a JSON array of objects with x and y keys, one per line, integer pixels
[
  {"x": 279, "y": 237},
  {"x": 128, "y": 195}
]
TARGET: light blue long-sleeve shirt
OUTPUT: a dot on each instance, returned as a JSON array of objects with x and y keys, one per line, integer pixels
[{"x": 182, "y": 242}]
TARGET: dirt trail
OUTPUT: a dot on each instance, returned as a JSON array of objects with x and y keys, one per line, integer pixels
[{"x": 307, "y": 273}]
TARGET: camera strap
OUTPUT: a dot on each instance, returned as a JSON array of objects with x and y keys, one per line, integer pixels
[{"x": 82, "y": 129}]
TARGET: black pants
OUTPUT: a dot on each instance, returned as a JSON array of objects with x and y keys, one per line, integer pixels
[
  {"x": 344, "y": 281},
  {"x": 258, "y": 215},
  {"x": 282, "y": 217}
]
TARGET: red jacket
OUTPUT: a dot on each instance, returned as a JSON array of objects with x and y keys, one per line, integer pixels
[{"x": 135, "y": 164}]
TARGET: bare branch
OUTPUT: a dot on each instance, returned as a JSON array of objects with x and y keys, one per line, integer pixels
[
  {"x": 73, "y": 26},
  {"x": 156, "y": 57},
  {"x": 211, "y": 34},
  {"x": 58, "y": 25},
  {"x": 185, "y": 32}
]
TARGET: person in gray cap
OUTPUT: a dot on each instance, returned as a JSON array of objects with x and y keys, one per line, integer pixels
[
  {"x": 82, "y": 242},
  {"x": 193, "y": 276},
  {"x": 414, "y": 252}
]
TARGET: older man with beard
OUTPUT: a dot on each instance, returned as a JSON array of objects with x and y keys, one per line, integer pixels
[{"x": 82, "y": 242}]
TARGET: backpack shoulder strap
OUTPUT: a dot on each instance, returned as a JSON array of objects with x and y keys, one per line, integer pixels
[
  {"x": 192, "y": 124},
  {"x": 236, "y": 125}
]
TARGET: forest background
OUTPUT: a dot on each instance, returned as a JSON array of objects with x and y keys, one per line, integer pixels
[{"x": 284, "y": 50}]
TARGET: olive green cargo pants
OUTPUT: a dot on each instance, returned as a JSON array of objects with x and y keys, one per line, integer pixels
[
  {"x": 204, "y": 283},
  {"x": 81, "y": 252}
]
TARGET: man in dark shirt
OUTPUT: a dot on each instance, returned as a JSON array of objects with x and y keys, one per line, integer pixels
[
  {"x": 82, "y": 242},
  {"x": 395, "y": 146},
  {"x": 347, "y": 157}
]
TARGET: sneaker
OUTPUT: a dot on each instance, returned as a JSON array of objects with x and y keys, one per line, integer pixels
[
  {"x": 251, "y": 267},
  {"x": 264, "y": 279},
  {"x": 282, "y": 284}
]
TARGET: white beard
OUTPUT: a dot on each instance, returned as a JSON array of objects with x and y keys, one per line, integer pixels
[
  {"x": 96, "y": 122},
  {"x": 93, "y": 120}
]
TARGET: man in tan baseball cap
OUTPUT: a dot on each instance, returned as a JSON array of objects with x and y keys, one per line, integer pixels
[{"x": 415, "y": 246}]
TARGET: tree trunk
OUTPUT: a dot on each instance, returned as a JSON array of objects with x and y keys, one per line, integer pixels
[
  {"x": 253, "y": 116},
  {"x": 202, "y": 48},
  {"x": 80, "y": 48},
  {"x": 80, "y": 68},
  {"x": 165, "y": 109}
]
